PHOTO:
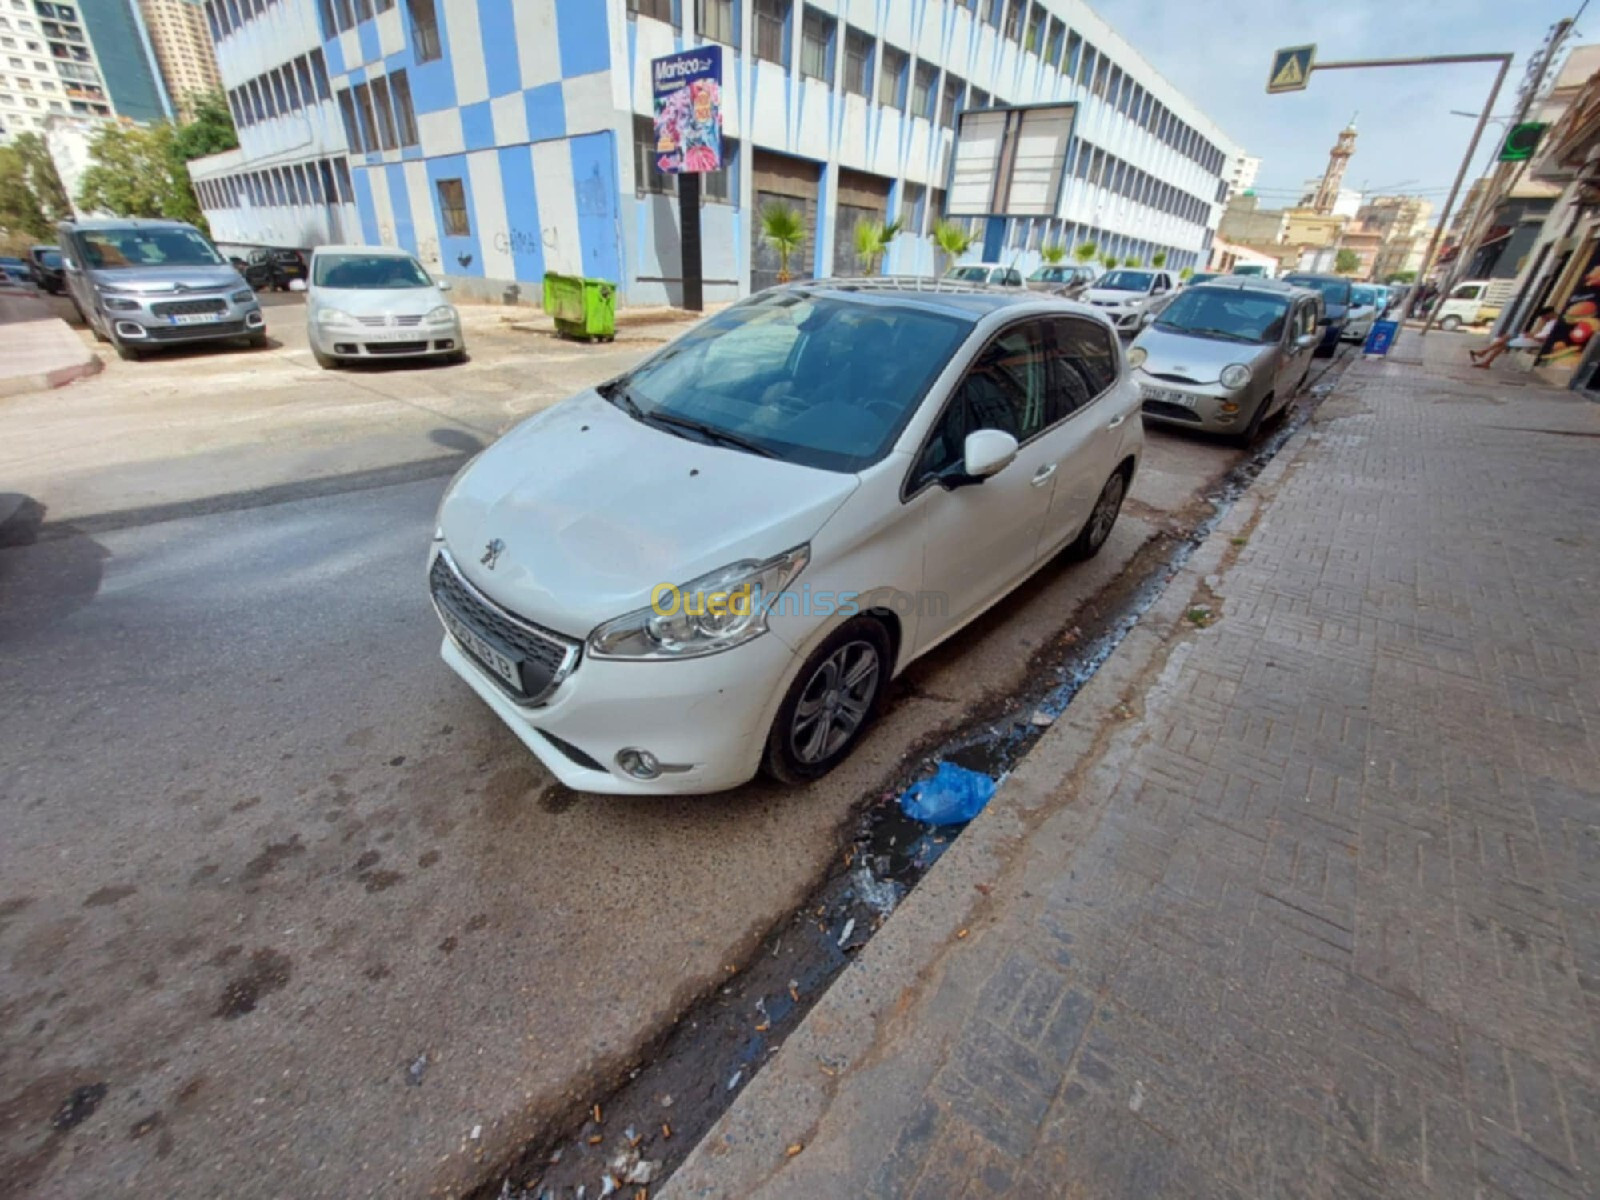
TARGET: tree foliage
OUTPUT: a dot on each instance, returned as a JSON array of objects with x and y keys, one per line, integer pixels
[
  {"x": 953, "y": 241},
  {"x": 1053, "y": 253},
  {"x": 210, "y": 130},
  {"x": 1158, "y": 259},
  {"x": 1346, "y": 262},
  {"x": 783, "y": 228},
  {"x": 1085, "y": 252},
  {"x": 32, "y": 199},
  {"x": 142, "y": 170},
  {"x": 872, "y": 242}
]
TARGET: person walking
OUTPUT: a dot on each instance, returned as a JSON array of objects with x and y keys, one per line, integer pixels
[{"x": 1530, "y": 339}]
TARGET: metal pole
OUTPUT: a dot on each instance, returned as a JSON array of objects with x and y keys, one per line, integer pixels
[{"x": 1461, "y": 173}]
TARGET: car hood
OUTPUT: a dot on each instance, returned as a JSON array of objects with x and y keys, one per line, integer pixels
[
  {"x": 155, "y": 280},
  {"x": 1197, "y": 359},
  {"x": 375, "y": 302},
  {"x": 595, "y": 509},
  {"x": 1112, "y": 295}
]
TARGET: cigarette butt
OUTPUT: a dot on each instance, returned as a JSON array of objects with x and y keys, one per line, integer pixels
[
  {"x": 793, "y": 1150},
  {"x": 596, "y": 1140},
  {"x": 597, "y": 1114},
  {"x": 666, "y": 1132},
  {"x": 961, "y": 933}
]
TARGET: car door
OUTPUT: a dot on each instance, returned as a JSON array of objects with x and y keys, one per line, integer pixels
[
  {"x": 980, "y": 539},
  {"x": 1293, "y": 358},
  {"x": 1090, "y": 415}
]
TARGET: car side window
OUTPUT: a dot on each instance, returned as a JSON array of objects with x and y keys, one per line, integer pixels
[
  {"x": 1085, "y": 363},
  {"x": 1007, "y": 387},
  {"x": 1013, "y": 278}
]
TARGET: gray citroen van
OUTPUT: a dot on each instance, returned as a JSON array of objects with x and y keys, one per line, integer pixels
[{"x": 142, "y": 284}]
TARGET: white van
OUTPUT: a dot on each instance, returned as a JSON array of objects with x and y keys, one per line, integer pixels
[{"x": 1474, "y": 302}]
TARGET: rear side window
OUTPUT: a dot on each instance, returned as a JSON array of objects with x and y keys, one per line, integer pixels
[
  {"x": 1008, "y": 387},
  {"x": 1085, "y": 362}
]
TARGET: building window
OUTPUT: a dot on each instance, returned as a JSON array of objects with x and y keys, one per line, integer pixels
[
  {"x": 1052, "y": 46},
  {"x": 352, "y": 128},
  {"x": 717, "y": 187},
  {"x": 1013, "y": 25},
  {"x": 1035, "y": 42},
  {"x": 302, "y": 70},
  {"x": 405, "y": 114},
  {"x": 453, "y": 208},
  {"x": 912, "y": 198},
  {"x": 380, "y": 102},
  {"x": 319, "y": 72},
  {"x": 816, "y": 45},
  {"x": 857, "y": 62},
  {"x": 424, "y": 30},
  {"x": 771, "y": 18},
  {"x": 661, "y": 10},
  {"x": 369, "y": 127},
  {"x": 923, "y": 90},
  {"x": 647, "y": 177},
  {"x": 951, "y": 101},
  {"x": 892, "y": 82},
  {"x": 716, "y": 21}
]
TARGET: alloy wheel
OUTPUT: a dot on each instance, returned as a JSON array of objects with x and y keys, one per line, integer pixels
[
  {"x": 1106, "y": 509},
  {"x": 835, "y": 702}
]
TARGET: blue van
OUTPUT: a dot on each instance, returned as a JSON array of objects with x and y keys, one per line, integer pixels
[{"x": 1335, "y": 291}]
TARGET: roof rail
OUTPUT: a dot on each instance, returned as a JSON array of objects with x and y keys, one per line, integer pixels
[{"x": 909, "y": 283}]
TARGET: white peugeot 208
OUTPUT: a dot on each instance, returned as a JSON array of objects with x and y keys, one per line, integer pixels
[{"x": 715, "y": 563}]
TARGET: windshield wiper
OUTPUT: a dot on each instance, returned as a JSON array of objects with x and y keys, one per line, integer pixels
[
  {"x": 1203, "y": 332},
  {"x": 617, "y": 393},
  {"x": 711, "y": 432}
]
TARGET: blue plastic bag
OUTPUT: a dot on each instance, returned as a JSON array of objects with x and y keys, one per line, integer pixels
[{"x": 952, "y": 796}]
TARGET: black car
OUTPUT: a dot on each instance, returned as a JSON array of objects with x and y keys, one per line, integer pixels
[
  {"x": 44, "y": 265},
  {"x": 1336, "y": 302},
  {"x": 265, "y": 267}
]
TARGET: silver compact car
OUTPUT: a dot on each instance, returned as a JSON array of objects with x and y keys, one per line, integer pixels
[
  {"x": 1226, "y": 355},
  {"x": 367, "y": 302}
]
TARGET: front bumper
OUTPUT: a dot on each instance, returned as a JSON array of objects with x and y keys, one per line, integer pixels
[
  {"x": 347, "y": 341},
  {"x": 1207, "y": 411},
  {"x": 169, "y": 319},
  {"x": 705, "y": 717},
  {"x": 1126, "y": 320}
]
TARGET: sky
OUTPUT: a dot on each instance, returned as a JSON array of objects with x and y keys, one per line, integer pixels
[{"x": 1218, "y": 52}]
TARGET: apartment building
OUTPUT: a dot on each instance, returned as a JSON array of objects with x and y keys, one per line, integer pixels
[
  {"x": 47, "y": 67},
  {"x": 183, "y": 50},
  {"x": 499, "y": 140}
]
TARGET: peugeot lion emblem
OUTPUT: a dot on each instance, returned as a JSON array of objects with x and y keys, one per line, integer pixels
[{"x": 492, "y": 552}]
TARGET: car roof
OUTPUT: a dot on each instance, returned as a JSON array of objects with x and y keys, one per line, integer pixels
[
  {"x": 1319, "y": 278},
  {"x": 970, "y": 301},
  {"x": 92, "y": 223},
  {"x": 394, "y": 251},
  {"x": 1252, "y": 283}
]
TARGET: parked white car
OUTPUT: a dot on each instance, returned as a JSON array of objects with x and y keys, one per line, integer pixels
[
  {"x": 716, "y": 562},
  {"x": 1362, "y": 313},
  {"x": 1131, "y": 298},
  {"x": 368, "y": 302},
  {"x": 994, "y": 274}
]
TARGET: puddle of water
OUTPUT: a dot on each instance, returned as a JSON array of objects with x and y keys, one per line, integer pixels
[{"x": 695, "y": 1071}]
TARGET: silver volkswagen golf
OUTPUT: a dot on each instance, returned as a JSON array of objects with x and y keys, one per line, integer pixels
[{"x": 1227, "y": 355}]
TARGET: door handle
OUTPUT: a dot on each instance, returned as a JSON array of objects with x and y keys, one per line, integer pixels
[
  {"x": 1042, "y": 475},
  {"x": 1116, "y": 420}
]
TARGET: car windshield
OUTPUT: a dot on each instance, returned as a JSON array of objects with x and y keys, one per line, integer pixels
[
  {"x": 1126, "y": 281},
  {"x": 1194, "y": 279},
  {"x": 1226, "y": 314},
  {"x": 51, "y": 258},
  {"x": 1334, "y": 291},
  {"x": 1051, "y": 275},
  {"x": 1364, "y": 295},
  {"x": 820, "y": 381},
  {"x": 377, "y": 272},
  {"x": 970, "y": 274},
  {"x": 134, "y": 247}
]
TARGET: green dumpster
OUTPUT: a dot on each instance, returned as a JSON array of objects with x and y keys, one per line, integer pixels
[{"x": 582, "y": 308}]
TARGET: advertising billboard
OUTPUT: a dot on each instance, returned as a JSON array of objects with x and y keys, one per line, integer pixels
[{"x": 688, "y": 107}]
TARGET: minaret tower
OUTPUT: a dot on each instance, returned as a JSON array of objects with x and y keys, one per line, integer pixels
[{"x": 1338, "y": 160}]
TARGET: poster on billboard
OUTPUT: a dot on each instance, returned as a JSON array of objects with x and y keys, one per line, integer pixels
[
  {"x": 688, "y": 107},
  {"x": 1578, "y": 321}
]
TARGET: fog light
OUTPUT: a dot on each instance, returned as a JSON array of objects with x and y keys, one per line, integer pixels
[
  {"x": 641, "y": 764},
  {"x": 1228, "y": 407},
  {"x": 127, "y": 329},
  {"x": 254, "y": 318}
]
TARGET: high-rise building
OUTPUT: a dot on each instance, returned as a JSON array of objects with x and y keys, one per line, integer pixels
[
  {"x": 183, "y": 49},
  {"x": 47, "y": 67},
  {"x": 126, "y": 59},
  {"x": 502, "y": 140},
  {"x": 1329, "y": 189},
  {"x": 1242, "y": 175}
]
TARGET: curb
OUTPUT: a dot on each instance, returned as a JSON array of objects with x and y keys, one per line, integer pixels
[
  {"x": 43, "y": 381},
  {"x": 783, "y": 1105}
]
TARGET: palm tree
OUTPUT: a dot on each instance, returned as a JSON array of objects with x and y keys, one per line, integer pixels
[
  {"x": 953, "y": 241},
  {"x": 1053, "y": 253},
  {"x": 1131, "y": 260},
  {"x": 1158, "y": 259},
  {"x": 872, "y": 242},
  {"x": 1185, "y": 273},
  {"x": 1108, "y": 260},
  {"x": 784, "y": 230},
  {"x": 1085, "y": 252}
]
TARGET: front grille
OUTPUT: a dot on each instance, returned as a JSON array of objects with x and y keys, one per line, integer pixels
[
  {"x": 396, "y": 347},
  {"x": 189, "y": 333},
  {"x": 407, "y": 322},
  {"x": 1171, "y": 378},
  {"x": 1172, "y": 412},
  {"x": 547, "y": 657},
  {"x": 385, "y": 322},
  {"x": 188, "y": 308},
  {"x": 374, "y": 322}
]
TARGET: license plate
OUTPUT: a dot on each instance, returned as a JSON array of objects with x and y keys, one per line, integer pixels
[
  {"x": 503, "y": 663},
  {"x": 393, "y": 335},
  {"x": 1169, "y": 396},
  {"x": 194, "y": 318}
]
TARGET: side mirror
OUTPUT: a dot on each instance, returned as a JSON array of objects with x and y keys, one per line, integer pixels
[
  {"x": 297, "y": 285},
  {"x": 1307, "y": 339},
  {"x": 987, "y": 452},
  {"x": 442, "y": 284},
  {"x": 1147, "y": 319}
]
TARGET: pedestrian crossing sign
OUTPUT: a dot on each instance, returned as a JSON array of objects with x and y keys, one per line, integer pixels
[{"x": 1291, "y": 68}]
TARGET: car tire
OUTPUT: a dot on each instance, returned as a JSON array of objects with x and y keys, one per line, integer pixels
[
  {"x": 1450, "y": 324},
  {"x": 1247, "y": 438},
  {"x": 806, "y": 740},
  {"x": 326, "y": 361},
  {"x": 1102, "y": 517}
]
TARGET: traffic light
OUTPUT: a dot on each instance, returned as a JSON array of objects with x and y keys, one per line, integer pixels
[{"x": 1521, "y": 141}]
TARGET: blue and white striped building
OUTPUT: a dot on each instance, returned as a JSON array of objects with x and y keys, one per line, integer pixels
[{"x": 500, "y": 139}]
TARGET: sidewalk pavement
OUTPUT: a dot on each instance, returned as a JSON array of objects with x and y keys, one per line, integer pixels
[
  {"x": 1302, "y": 894},
  {"x": 38, "y": 350}
]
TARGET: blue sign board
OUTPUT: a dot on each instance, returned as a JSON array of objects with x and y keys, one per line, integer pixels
[
  {"x": 1380, "y": 337},
  {"x": 1291, "y": 68},
  {"x": 688, "y": 105}
]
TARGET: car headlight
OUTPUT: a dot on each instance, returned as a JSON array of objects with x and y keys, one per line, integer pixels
[
  {"x": 708, "y": 615},
  {"x": 1137, "y": 355},
  {"x": 1235, "y": 376},
  {"x": 119, "y": 303},
  {"x": 243, "y": 297},
  {"x": 333, "y": 316},
  {"x": 440, "y": 315}
]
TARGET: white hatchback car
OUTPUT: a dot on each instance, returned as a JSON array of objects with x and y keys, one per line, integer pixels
[
  {"x": 366, "y": 302},
  {"x": 716, "y": 562}
]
